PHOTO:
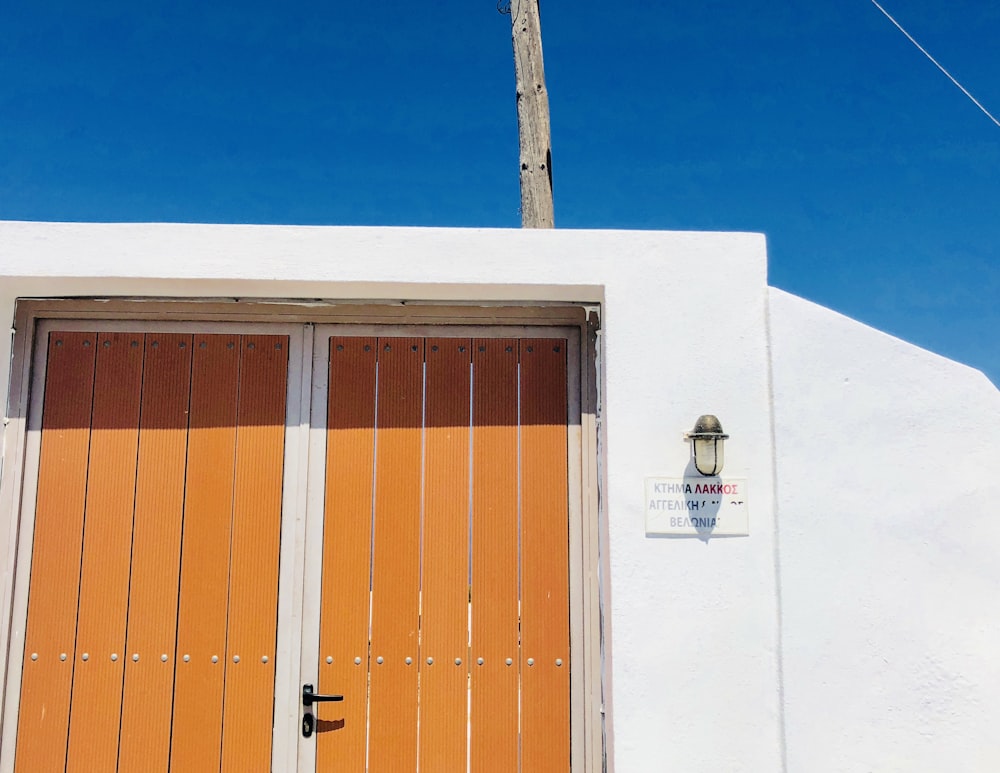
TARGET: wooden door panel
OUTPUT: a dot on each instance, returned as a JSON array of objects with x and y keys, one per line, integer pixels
[
  {"x": 446, "y": 498},
  {"x": 153, "y": 598},
  {"x": 156, "y": 545},
  {"x": 47, "y": 678},
  {"x": 341, "y": 731},
  {"x": 444, "y": 631},
  {"x": 494, "y": 634},
  {"x": 396, "y": 557},
  {"x": 196, "y": 741},
  {"x": 95, "y": 708},
  {"x": 545, "y": 665},
  {"x": 253, "y": 562}
]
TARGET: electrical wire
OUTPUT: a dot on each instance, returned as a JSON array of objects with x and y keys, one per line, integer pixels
[{"x": 936, "y": 64}]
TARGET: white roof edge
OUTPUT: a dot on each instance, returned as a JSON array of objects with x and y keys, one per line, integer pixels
[{"x": 785, "y": 296}]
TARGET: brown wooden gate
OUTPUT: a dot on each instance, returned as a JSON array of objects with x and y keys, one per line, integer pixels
[
  {"x": 150, "y": 639},
  {"x": 445, "y": 604},
  {"x": 151, "y": 628}
]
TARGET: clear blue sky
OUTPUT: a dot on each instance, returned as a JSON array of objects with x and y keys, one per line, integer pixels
[{"x": 876, "y": 181}]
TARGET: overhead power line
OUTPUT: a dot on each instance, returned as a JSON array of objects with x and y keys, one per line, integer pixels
[{"x": 950, "y": 77}]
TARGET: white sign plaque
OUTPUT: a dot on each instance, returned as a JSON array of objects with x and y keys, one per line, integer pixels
[{"x": 697, "y": 507}]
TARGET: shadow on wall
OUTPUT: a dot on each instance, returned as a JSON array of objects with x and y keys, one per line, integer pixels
[
  {"x": 701, "y": 510},
  {"x": 704, "y": 514}
]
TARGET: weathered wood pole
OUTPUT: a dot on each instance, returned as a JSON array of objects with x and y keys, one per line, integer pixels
[{"x": 532, "y": 116}]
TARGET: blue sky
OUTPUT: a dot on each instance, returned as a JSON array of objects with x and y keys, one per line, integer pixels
[{"x": 876, "y": 181}]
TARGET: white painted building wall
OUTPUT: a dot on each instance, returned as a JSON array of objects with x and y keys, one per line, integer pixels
[
  {"x": 726, "y": 654},
  {"x": 889, "y": 509}
]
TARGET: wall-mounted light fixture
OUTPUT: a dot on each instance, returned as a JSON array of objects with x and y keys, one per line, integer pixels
[{"x": 707, "y": 441}]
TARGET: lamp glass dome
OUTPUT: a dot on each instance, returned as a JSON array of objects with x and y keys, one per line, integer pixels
[
  {"x": 709, "y": 455},
  {"x": 707, "y": 444}
]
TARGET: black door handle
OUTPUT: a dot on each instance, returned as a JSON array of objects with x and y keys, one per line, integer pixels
[{"x": 309, "y": 697}]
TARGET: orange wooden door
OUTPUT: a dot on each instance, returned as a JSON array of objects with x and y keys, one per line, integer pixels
[
  {"x": 151, "y": 619},
  {"x": 443, "y": 616},
  {"x": 444, "y": 609}
]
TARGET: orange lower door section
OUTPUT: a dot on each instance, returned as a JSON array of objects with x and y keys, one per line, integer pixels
[{"x": 151, "y": 624}]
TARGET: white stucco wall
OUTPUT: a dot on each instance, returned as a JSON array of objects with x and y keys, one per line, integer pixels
[
  {"x": 693, "y": 648},
  {"x": 889, "y": 479},
  {"x": 855, "y": 629}
]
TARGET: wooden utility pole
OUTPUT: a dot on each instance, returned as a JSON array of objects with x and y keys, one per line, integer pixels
[{"x": 532, "y": 116}]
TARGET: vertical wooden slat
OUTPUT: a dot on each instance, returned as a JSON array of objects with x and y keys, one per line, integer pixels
[
  {"x": 341, "y": 731},
  {"x": 204, "y": 584},
  {"x": 445, "y": 571},
  {"x": 43, "y": 718},
  {"x": 494, "y": 716},
  {"x": 95, "y": 708},
  {"x": 545, "y": 656},
  {"x": 147, "y": 700},
  {"x": 253, "y": 576},
  {"x": 396, "y": 557}
]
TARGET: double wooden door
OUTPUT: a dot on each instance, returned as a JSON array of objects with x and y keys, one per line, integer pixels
[{"x": 223, "y": 517}]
